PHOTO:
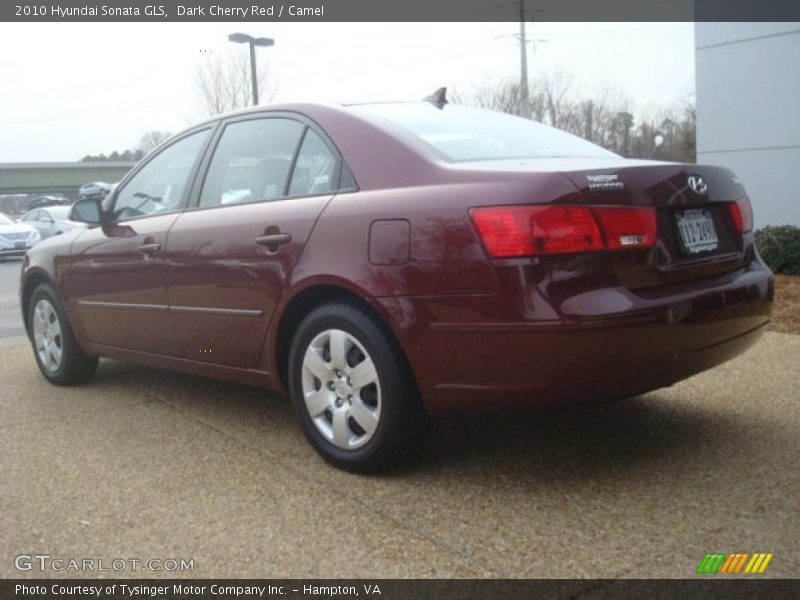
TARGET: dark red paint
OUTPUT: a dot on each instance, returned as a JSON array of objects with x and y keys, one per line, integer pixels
[{"x": 477, "y": 332}]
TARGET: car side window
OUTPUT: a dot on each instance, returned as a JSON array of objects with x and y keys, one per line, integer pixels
[
  {"x": 315, "y": 169},
  {"x": 159, "y": 186},
  {"x": 45, "y": 217},
  {"x": 251, "y": 162}
]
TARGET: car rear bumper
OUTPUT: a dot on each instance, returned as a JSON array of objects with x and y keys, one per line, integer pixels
[{"x": 660, "y": 340}]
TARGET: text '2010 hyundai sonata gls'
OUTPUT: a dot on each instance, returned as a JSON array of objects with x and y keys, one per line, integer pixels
[{"x": 384, "y": 263}]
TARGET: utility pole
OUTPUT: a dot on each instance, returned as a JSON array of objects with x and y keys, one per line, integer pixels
[
  {"x": 589, "y": 125},
  {"x": 525, "y": 102},
  {"x": 626, "y": 120}
]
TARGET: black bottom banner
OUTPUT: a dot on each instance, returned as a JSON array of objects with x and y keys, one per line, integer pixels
[{"x": 391, "y": 589}]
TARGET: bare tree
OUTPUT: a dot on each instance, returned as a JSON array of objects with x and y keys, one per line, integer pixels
[
  {"x": 596, "y": 115},
  {"x": 151, "y": 139},
  {"x": 557, "y": 92},
  {"x": 223, "y": 83},
  {"x": 604, "y": 115},
  {"x": 504, "y": 96},
  {"x": 550, "y": 98}
]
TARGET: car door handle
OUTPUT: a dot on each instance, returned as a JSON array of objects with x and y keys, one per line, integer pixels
[
  {"x": 274, "y": 239},
  {"x": 149, "y": 248}
]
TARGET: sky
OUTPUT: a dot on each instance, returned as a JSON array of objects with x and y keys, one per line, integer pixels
[{"x": 72, "y": 89}]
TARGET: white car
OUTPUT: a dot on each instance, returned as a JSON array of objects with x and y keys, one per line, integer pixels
[
  {"x": 51, "y": 220},
  {"x": 95, "y": 188},
  {"x": 16, "y": 238}
]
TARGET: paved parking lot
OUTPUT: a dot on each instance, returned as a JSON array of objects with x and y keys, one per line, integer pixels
[
  {"x": 10, "y": 319},
  {"x": 148, "y": 464}
]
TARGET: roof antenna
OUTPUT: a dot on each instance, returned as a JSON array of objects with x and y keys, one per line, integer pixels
[{"x": 438, "y": 98}]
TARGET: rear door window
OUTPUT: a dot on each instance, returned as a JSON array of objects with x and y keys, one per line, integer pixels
[
  {"x": 252, "y": 162},
  {"x": 315, "y": 169}
]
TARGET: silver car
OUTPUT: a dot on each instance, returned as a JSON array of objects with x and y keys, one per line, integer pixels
[
  {"x": 95, "y": 189},
  {"x": 51, "y": 220},
  {"x": 16, "y": 238}
]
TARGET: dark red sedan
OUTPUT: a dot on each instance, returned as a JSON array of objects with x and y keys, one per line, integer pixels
[{"x": 383, "y": 263}]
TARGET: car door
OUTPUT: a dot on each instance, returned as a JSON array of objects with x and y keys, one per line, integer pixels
[
  {"x": 30, "y": 218},
  {"x": 59, "y": 224},
  {"x": 231, "y": 253},
  {"x": 43, "y": 222},
  {"x": 117, "y": 274}
]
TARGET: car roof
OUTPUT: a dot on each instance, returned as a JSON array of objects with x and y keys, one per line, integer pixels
[
  {"x": 377, "y": 156},
  {"x": 300, "y": 107}
]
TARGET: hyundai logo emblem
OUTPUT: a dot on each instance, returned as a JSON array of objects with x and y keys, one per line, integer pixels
[{"x": 698, "y": 184}]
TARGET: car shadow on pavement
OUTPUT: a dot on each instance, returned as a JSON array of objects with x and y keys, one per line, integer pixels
[
  {"x": 660, "y": 430},
  {"x": 579, "y": 442}
]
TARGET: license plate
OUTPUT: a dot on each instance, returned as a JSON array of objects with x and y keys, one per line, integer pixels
[
  {"x": 19, "y": 245},
  {"x": 696, "y": 228}
]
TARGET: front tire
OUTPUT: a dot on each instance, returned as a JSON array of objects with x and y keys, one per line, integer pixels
[
  {"x": 57, "y": 353},
  {"x": 353, "y": 391}
]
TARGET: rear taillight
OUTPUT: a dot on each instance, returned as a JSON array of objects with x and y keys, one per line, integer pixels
[
  {"x": 508, "y": 231},
  {"x": 626, "y": 227},
  {"x": 741, "y": 215}
]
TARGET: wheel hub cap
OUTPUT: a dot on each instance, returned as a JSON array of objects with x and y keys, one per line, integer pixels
[
  {"x": 341, "y": 389},
  {"x": 47, "y": 335}
]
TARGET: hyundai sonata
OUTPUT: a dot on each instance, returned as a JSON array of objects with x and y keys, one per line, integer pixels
[
  {"x": 384, "y": 263},
  {"x": 16, "y": 238}
]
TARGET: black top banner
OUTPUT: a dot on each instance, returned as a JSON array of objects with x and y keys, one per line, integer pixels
[{"x": 402, "y": 10}]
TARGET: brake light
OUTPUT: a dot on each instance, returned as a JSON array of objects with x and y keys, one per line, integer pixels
[
  {"x": 509, "y": 231},
  {"x": 741, "y": 215},
  {"x": 627, "y": 227}
]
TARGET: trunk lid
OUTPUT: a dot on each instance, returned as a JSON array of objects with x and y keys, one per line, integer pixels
[
  {"x": 617, "y": 181},
  {"x": 696, "y": 236}
]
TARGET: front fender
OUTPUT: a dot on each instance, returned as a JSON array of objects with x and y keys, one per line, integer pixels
[{"x": 47, "y": 262}]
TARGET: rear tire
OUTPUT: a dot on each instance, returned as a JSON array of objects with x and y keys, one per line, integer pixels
[
  {"x": 353, "y": 391},
  {"x": 57, "y": 353}
]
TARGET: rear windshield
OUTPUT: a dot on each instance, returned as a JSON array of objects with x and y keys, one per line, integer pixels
[{"x": 462, "y": 134}]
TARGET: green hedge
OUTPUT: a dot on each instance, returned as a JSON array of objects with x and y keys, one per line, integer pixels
[{"x": 780, "y": 248}]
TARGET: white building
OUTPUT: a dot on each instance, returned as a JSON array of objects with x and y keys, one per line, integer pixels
[{"x": 748, "y": 111}]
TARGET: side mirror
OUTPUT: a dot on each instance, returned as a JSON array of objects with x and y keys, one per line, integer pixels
[{"x": 87, "y": 210}]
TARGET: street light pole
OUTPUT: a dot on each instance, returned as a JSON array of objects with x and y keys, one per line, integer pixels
[
  {"x": 253, "y": 72},
  {"x": 243, "y": 38}
]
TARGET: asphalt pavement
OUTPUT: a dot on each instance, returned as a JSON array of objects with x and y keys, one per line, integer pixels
[
  {"x": 10, "y": 317},
  {"x": 143, "y": 464}
]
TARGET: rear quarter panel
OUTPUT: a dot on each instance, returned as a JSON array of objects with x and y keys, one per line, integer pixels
[{"x": 445, "y": 260}]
